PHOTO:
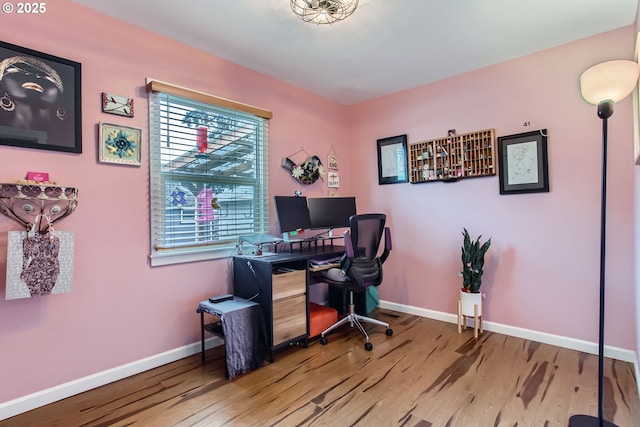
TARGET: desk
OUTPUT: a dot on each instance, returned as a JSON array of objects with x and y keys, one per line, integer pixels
[
  {"x": 242, "y": 326},
  {"x": 280, "y": 284}
]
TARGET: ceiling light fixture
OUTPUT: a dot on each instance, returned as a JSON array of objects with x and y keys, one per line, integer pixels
[{"x": 323, "y": 11}]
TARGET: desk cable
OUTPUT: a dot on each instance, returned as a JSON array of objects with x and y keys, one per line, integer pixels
[{"x": 255, "y": 276}]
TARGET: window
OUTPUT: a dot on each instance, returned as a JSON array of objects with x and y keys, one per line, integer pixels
[{"x": 208, "y": 173}]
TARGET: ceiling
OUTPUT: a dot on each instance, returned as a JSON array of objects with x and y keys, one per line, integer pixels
[{"x": 386, "y": 46}]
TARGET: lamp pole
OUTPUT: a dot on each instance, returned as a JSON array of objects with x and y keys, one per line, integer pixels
[
  {"x": 605, "y": 110},
  {"x": 603, "y": 85}
]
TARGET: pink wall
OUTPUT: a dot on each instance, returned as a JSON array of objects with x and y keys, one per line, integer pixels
[
  {"x": 542, "y": 269},
  {"x": 121, "y": 309},
  {"x": 636, "y": 182}
]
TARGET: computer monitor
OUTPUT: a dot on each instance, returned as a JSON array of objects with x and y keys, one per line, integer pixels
[
  {"x": 331, "y": 212},
  {"x": 293, "y": 213}
]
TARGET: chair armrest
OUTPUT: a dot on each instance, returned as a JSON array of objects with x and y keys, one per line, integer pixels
[
  {"x": 387, "y": 245},
  {"x": 348, "y": 251},
  {"x": 348, "y": 246}
]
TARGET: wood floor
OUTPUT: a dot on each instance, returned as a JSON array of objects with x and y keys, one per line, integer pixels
[{"x": 426, "y": 374}]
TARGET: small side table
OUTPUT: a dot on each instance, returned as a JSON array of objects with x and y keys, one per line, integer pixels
[{"x": 240, "y": 323}]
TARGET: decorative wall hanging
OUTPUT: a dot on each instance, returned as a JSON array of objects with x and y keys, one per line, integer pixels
[
  {"x": 333, "y": 179},
  {"x": 39, "y": 261},
  {"x": 392, "y": 160},
  {"x": 119, "y": 144},
  {"x": 25, "y": 202},
  {"x": 468, "y": 155},
  {"x": 115, "y": 104},
  {"x": 307, "y": 172},
  {"x": 523, "y": 163},
  {"x": 202, "y": 142},
  {"x": 332, "y": 159},
  {"x": 40, "y": 97}
]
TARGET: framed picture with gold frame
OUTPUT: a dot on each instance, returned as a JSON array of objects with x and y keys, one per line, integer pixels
[{"x": 119, "y": 144}]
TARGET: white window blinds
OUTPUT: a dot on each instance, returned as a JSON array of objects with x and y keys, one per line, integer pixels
[{"x": 208, "y": 173}]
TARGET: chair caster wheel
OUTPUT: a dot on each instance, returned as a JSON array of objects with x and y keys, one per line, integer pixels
[
  {"x": 389, "y": 332},
  {"x": 324, "y": 340},
  {"x": 368, "y": 346}
]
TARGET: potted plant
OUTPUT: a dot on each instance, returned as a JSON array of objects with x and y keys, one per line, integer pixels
[
  {"x": 473, "y": 252},
  {"x": 472, "y": 262}
]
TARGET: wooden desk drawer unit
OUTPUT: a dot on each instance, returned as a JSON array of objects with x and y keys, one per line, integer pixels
[
  {"x": 279, "y": 283},
  {"x": 289, "y": 284},
  {"x": 289, "y": 305},
  {"x": 280, "y": 287},
  {"x": 289, "y": 318}
]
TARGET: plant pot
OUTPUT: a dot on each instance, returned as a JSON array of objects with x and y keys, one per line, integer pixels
[{"x": 468, "y": 300}]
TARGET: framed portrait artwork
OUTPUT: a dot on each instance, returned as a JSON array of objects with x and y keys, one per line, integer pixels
[
  {"x": 523, "y": 163},
  {"x": 39, "y": 100},
  {"x": 119, "y": 144},
  {"x": 392, "y": 160}
]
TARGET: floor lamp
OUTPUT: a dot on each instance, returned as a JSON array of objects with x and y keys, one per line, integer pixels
[{"x": 603, "y": 85}]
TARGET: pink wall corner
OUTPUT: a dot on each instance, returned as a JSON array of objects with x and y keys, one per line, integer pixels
[
  {"x": 120, "y": 309},
  {"x": 636, "y": 199},
  {"x": 542, "y": 269}
]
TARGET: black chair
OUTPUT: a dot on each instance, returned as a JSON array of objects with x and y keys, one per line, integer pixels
[{"x": 361, "y": 267}]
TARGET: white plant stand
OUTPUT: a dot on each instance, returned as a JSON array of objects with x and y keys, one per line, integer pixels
[{"x": 470, "y": 305}]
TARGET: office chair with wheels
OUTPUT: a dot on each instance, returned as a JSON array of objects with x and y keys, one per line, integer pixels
[{"x": 361, "y": 267}]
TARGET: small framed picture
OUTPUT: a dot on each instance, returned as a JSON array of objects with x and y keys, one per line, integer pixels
[
  {"x": 116, "y": 104},
  {"x": 119, "y": 144},
  {"x": 523, "y": 163},
  {"x": 392, "y": 160}
]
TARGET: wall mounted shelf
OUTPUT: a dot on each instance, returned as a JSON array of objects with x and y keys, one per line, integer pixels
[
  {"x": 468, "y": 155},
  {"x": 24, "y": 202}
]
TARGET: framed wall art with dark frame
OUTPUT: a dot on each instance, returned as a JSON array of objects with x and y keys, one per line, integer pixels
[
  {"x": 392, "y": 160},
  {"x": 40, "y": 96},
  {"x": 119, "y": 144},
  {"x": 524, "y": 163}
]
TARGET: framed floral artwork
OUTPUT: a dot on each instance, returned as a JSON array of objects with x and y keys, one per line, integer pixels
[{"x": 119, "y": 144}]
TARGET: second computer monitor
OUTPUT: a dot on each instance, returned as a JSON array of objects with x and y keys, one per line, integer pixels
[
  {"x": 293, "y": 213},
  {"x": 331, "y": 212}
]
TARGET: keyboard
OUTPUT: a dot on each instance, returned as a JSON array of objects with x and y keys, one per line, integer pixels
[{"x": 325, "y": 261}]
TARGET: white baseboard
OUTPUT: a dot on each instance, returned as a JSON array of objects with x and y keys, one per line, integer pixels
[
  {"x": 557, "y": 340},
  {"x": 62, "y": 391}
]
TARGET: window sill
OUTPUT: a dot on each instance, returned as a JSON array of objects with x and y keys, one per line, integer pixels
[{"x": 178, "y": 257}]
